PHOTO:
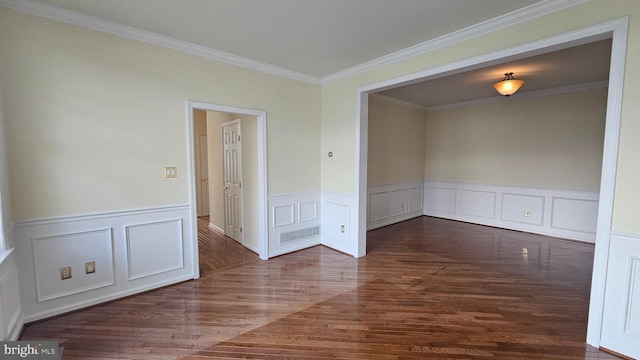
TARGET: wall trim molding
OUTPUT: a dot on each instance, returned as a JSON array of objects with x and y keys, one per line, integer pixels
[
  {"x": 532, "y": 11},
  {"x": 384, "y": 200},
  {"x": 567, "y": 214},
  {"x": 392, "y": 100},
  {"x": 106, "y": 239},
  {"x": 98, "y": 215},
  {"x": 294, "y": 222},
  {"x": 129, "y": 32}
]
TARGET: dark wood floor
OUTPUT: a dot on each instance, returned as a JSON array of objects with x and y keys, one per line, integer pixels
[{"x": 428, "y": 288}]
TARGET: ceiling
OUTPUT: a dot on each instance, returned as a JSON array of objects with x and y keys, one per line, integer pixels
[
  {"x": 312, "y": 37},
  {"x": 586, "y": 64},
  {"x": 318, "y": 39}
]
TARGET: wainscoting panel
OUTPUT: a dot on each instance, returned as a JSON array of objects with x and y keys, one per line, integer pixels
[
  {"x": 51, "y": 253},
  {"x": 133, "y": 250},
  {"x": 389, "y": 204},
  {"x": 525, "y": 209},
  {"x": 294, "y": 222},
  {"x": 337, "y": 221},
  {"x": 11, "y": 320},
  {"x": 621, "y": 316},
  {"x": 574, "y": 214},
  {"x": 154, "y": 248},
  {"x": 442, "y": 199},
  {"x": 553, "y": 212},
  {"x": 478, "y": 203}
]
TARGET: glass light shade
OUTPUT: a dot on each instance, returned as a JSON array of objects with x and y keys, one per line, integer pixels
[{"x": 508, "y": 87}]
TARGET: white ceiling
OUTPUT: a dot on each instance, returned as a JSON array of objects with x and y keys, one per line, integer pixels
[
  {"x": 316, "y": 40},
  {"x": 313, "y": 37}
]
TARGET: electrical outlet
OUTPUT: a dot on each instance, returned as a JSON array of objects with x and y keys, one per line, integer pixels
[
  {"x": 342, "y": 228},
  {"x": 90, "y": 267},
  {"x": 65, "y": 273}
]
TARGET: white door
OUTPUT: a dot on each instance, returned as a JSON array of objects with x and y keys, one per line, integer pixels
[
  {"x": 621, "y": 316},
  {"x": 204, "y": 175},
  {"x": 232, "y": 168}
]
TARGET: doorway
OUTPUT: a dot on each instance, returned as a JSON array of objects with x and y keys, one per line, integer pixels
[
  {"x": 258, "y": 204},
  {"x": 617, "y": 30}
]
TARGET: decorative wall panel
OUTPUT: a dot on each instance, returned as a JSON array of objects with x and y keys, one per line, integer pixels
[{"x": 154, "y": 248}]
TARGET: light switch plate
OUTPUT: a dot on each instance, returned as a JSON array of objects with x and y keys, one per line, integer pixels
[{"x": 170, "y": 172}]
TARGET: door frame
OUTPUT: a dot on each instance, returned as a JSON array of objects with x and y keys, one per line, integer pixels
[
  {"x": 262, "y": 175},
  {"x": 614, "y": 29}
]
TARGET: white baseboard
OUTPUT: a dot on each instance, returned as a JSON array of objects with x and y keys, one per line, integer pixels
[
  {"x": 116, "y": 241},
  {"x": 216, "y": 229},
  {"x": 551, "y": 212},
  {"x": 392, "y": 203}
]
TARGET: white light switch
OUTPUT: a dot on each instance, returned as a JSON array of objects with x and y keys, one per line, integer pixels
[{"x": 170, "y": 172}]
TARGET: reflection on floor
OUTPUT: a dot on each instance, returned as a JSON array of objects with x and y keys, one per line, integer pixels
[
  {"x": 428, "y": 288},
  {"x": 217, "y": 251}
]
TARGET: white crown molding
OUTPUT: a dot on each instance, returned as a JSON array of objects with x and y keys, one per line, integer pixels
[
  {"x": 532, "y": 11},
  {"x": 524, "y": 95},
  {"x": 114, "y": 28}
]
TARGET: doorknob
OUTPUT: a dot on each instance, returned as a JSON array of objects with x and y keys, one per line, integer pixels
[
  {"x": 225, "y": 187},
  {"x": 204, "y": 180}
]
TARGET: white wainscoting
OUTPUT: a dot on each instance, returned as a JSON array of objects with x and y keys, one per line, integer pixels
[
  {"x": 560, "y": 213},
  {"x": 11, "y": 319},
  {"x": 392, "y": 203},
  {"x": 294, "y": 222},
  {"x": 338, "y": 222},
  {"x": 621, "y": 316},
  {"x": 133, "y": 251}
]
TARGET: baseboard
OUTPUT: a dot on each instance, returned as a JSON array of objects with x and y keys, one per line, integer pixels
[
  {"x": 216, "y": 229},
  {"x": 99, "y": 300}
]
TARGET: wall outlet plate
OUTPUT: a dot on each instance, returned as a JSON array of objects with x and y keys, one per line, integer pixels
[
  {"x": 90, "y": 267},
  {"x": 65, "y": 273}
]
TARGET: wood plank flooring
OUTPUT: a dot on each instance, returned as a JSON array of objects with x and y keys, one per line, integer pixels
[{"x": 428, "y": 288}]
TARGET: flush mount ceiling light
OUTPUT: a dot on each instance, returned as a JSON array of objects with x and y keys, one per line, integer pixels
[{"x": 508, "y": 85}]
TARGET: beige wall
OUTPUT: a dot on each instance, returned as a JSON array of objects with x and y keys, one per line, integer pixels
[
  {"x": 339, "y": 98},
  {"x": 553, "y": 141},
  {"x": 94, "y": 118},
  {"x": 396, "y": 143}
]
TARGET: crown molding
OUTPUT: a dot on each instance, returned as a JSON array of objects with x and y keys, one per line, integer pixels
[
  {"x": 114, "y": 28},
  {"x": 532, "y": 11},
  {"x": 523, "y": 95}
]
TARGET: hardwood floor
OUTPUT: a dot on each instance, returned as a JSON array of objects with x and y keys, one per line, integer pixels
[
  {"x": 218, "y": 251},
  {"x": 428, "y": 288}
]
